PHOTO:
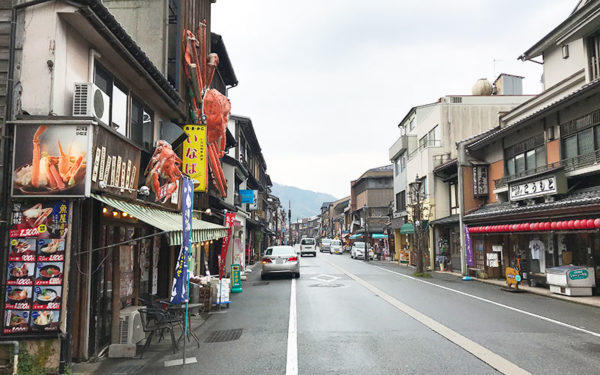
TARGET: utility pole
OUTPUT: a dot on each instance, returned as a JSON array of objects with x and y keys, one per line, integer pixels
[
  {"x": 367, "y": 242},
  {"x": 417, "y": 212}
]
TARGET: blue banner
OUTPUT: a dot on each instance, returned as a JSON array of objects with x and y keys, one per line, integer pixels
[
  {"x": 180, "y": 280},
  {"x": 469, "y": 248}
]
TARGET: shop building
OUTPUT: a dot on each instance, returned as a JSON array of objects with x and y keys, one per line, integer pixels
[
  {"x": 543, "y": 182},
  {"x": 426, "y": 150},
  {"x": 87, "y": 234}
]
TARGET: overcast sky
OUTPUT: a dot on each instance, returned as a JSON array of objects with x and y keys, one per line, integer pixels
[{"x": 327, "y": 82}]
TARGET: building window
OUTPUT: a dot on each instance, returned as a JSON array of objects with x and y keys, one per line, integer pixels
[
  {"x": 401, "y": 201},
  {"x": 141, "y": 125},
  {"x": 397, "y": 165},
  {"x": 593, "y": 47},
  {"x": 525, "y": 161},
  {"x": 411, "y": 124},
  {"x": 434, "y": 137},
  {"x": 453, "y": 198}
]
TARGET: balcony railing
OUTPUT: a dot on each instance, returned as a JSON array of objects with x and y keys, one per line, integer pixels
[
  {"x": 568, "y": 165},
  {"x": 429, "y": 143}
]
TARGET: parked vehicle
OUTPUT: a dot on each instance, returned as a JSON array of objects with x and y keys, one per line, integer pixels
[
  {"x": 325, "y": 245},
  {"x": 336, "y": 247},
  {"x": 308, "y": 246},
  {"x": 280, "y": 259},
  {"x": 358, "y": 251}
]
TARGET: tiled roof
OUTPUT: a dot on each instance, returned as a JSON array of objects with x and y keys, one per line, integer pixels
[
  {"x": 575, "y": 199},
  {"x": 382, "y": 169},
  {"x": 446, "y": 220}
]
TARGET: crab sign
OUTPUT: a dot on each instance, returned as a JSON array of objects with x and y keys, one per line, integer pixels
[
  {"x": 207, "y": 105},
  {"x": 164, "y": 164}
]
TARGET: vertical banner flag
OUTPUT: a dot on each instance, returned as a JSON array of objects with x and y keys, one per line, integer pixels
[
  {"x": 194, "y": 155},
  {"x": 180, "y": 280},
  {"x": 469, "y": 248},
  {"x": 229, "y": 220}
]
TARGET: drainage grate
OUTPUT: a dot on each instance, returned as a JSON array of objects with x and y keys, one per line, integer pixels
[
  {"x": 257, "y": 283},
  {"x": 223, "y": 336}
]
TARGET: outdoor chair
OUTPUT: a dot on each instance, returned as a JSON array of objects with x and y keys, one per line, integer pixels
[{"x": 154, "y": 321}]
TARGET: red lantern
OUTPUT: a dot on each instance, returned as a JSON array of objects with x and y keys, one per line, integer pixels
[
  {"x": 597, "y": 223},
  {"x": 577, "y": 224},
  {"x": 515, "y": 227},
  {"x": 553, "y": 225},
  {"x": 547, "y": 225},
  {"x": 571, "y": 224},
  {"x": 535, "y": 226},
  {"x": 564, "y": 225},
  {"x": 589, "y": 223}
]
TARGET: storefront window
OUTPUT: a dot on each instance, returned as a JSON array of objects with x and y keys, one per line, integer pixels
[{"x": 519, "y": 163}]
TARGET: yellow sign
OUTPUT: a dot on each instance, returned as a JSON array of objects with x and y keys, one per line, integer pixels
[
  {"x": 195, "y": 155},
  {"x": 42, "y": 228}
]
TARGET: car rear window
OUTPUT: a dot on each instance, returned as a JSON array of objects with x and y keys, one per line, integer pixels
[
  {"x": 307, "y": 241},
  {"x": 278, "y": 251},
  {"x": 359, "y": 244},
  {"x": 336, "y": 242}
]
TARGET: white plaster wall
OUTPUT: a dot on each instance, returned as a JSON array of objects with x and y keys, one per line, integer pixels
[{"x": 556, "y": 68}]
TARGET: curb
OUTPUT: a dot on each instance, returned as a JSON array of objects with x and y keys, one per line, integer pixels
[{"x": 579, "y": 300}]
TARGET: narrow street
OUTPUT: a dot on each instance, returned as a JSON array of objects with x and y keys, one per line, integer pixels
[{"x": 355, "y": 317}]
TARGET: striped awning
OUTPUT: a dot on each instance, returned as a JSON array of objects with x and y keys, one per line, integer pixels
[{"x": 170, "y": 222}]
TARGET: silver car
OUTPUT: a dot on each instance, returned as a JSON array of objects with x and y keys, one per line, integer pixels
[{"x": 280, "y": 259}]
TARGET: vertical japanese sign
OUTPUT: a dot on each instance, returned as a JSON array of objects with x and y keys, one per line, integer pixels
[
  {"x": 180, "y": 280},
  {"x": 469, "y": 248},
  {"x": 229, "y": 220},
  {"x": 194, "y": 155},
  {"x": 480, "y": 180},
  {"x": 35, "y": 267}
]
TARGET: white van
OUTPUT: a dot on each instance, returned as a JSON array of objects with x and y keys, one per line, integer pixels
[{"x": 308, "y": 246}]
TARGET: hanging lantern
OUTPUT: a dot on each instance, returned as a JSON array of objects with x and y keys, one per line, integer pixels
[
  {"x": 547, "y": 225},
  {"x": 589, "y": 223},
  {"x": 577, "y": 224},
  {"x": 564, "y": 225},
  {"x": 553, "y": 225},
  {"x": 534, "y": 226},
  {"x": 597, "y": 223},
  {"x": 571, "y": 224}
]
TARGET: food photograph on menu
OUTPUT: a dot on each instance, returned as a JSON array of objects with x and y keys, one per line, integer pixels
[
  {"x": 46, "y": 298},
  {"x": 16, "y": 321},
  {"x": 49, "y": 273},
  {"x": 51, "y": 249},
  {"x": 44, "y": 320},
  {"x": 20, "y": 273},
  {"x": 52, "y": 162},
  {"x": 22, "y": 250},
  {"x": 18, "y": 298}
]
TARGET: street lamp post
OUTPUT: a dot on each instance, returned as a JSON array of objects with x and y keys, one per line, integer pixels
[
  {"x": 366, "y": 234},
  {"x": 415, "y": 188}
]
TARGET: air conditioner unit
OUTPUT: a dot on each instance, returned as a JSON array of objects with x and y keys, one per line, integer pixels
[
  {"x": 130, "y": 326},
  {"x": 90, "y": 101}
]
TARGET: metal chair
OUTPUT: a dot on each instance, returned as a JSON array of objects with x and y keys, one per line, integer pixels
[{"x": 156, "y": 321}]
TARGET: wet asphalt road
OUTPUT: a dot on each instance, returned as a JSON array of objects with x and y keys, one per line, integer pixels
[{"x": 348, "y": 322}]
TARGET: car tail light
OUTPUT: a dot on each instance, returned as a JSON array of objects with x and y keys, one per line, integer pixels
[
  {"x": 292, "y": 259},
  {"x": 266, "y": 260}
]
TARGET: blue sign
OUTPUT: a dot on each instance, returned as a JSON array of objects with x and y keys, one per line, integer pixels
[
  {"x": 180, "y": 280},
  {"x": 247, "y": 196}
]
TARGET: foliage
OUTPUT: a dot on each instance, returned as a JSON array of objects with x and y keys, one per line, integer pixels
[
  {"x": 29, "y": 364},
  {"x": 424, "y": 275}
]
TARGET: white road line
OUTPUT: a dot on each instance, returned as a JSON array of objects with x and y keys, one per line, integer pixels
[
  {"x": 497, "y": 304},
  {"x": 292, "y": 344},
  {"x": 494, "y": 360}
]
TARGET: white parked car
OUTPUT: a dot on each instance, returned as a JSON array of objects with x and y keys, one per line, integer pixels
[
  {"x": 308, "y": 246},
  {"x": 358, "y": 251},
  {"x": 336, "y": 247}
]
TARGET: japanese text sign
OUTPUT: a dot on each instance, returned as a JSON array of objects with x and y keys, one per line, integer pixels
[{"x": 194, "y": 155}]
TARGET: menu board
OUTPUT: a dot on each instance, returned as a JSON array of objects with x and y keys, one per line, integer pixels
[{"x": 36, "y": 261}]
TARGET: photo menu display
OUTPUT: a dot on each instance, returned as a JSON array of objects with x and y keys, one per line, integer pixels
[{"x": 35, "y": 267}]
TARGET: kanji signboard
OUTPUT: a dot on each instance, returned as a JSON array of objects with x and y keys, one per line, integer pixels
[{"x": 194, "y": 155}]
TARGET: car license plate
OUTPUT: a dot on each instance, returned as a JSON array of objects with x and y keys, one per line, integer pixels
[{"x": 279, "y": 261}]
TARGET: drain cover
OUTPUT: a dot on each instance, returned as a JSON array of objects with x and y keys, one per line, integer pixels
[
  {"x": 223, "y": 336},
  {"x": 260, "y": 283}
]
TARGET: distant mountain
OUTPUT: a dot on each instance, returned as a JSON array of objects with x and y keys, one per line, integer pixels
[{"x": 304, "y": 203}]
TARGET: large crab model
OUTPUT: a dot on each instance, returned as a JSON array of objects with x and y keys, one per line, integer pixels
[
  {"x": 163, "y": 164},
  {"x": 207, "y": 105}
]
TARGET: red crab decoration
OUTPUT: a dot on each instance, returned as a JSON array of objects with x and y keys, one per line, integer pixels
[
  {"x": 207, "y": 105},
  {"x": 164, "y": 164}
]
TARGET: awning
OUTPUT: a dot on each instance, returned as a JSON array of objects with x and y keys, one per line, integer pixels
[
  {"x": 407, "y": 228},
  {"x": 170, "y": 222},
  {"x": 379, "y": 236}
]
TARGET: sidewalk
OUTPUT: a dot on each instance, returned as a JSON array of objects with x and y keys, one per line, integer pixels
[{"x": 589, "y": 301}]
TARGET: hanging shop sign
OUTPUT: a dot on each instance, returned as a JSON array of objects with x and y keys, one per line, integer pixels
[
  {"x": 51, "y": 160},
  {"x": 229, "y": 223},
  {"x": 163, "y": 172},
  {"x": 116, "y": 164},
  {"x": 254, "y": 205},
  {"x": 194, "y": 155},
  {"x": 247, "y": 196},
  {"x": 549, "y": 185},
  {"x": 480, "y": 180},
  {"x": 35, "y": 267}
]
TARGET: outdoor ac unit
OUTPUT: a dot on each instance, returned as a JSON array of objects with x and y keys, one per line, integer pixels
[
  {"x": 90, "y": 101},
  {"x": 130, "y": 326}
]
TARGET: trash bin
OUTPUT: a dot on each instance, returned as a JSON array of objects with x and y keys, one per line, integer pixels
[{"x": 194, "y": 293}]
